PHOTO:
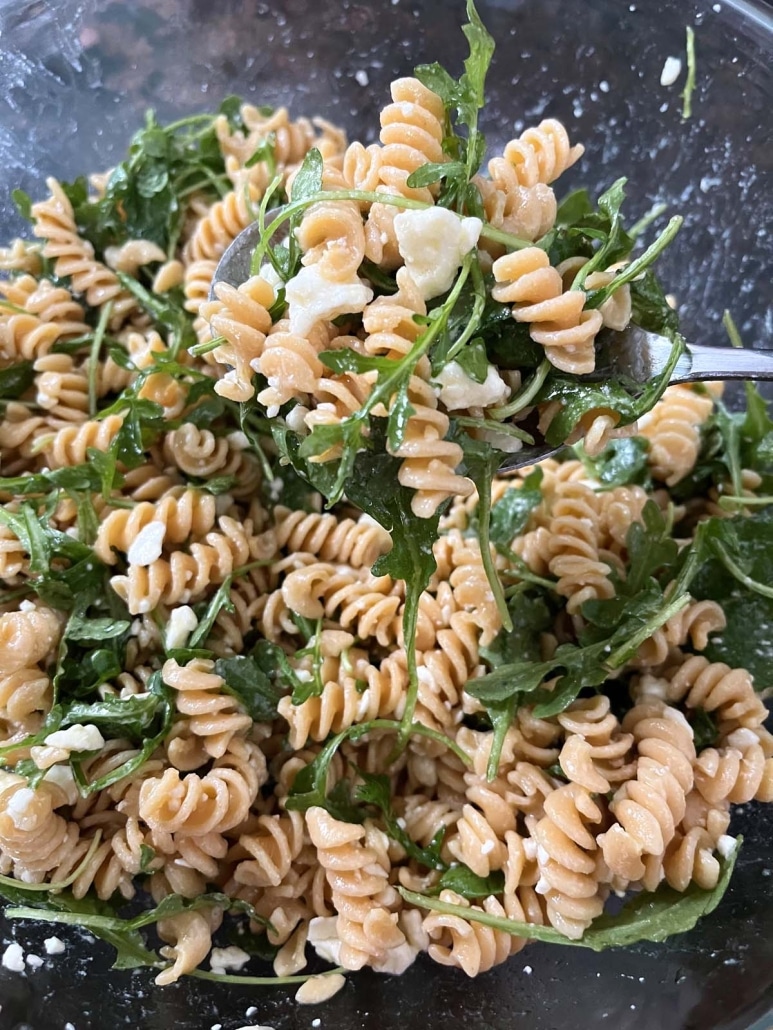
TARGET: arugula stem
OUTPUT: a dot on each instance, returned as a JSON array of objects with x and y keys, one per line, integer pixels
[
  {"x": 728, "y": 502},
  {"x": 631, "y": 646},
  {"x": 260, "y": 981},
  {"x": 597, "y": 297},
  {"x": 6, "y": 305},
  {"x": 58, "y": 885},
  {"x": 654, "y": 213},
  {"x": 731, "y": 329},
  {"x": 416, "y": 729},
  {"x": 484, "y": 527},
  {"x": 96, "y": 347},
  {"x": 204, "y": 348},
  {"x": 689, "y": 85},
  {"x": 737, "y": 572},
  {"x": 477, "y": 310},
  {"x": 496, "y": 427},
  {"x": 368, "y": 197},
  {"x": 524, "y": 396}
]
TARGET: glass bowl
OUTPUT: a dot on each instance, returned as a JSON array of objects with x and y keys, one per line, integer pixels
[{"x": 75, "y": 79}]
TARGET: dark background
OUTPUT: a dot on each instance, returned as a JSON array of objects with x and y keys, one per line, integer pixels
[{"x": 75, "y": 79}]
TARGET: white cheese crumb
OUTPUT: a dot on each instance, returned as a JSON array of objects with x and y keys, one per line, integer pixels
[
  {"x": 251, "y": 1011},
  {"x": 502, "y": 441},
  {"x": 458, "y": 390},
  {"x": 221, "y": 959},
  {"x": 311, "y": 297},
  {"x": 361, "y": 77},
  {"x": 487, "y": 847},
  {"x": 77, "y": 738},
  {"x": 13, "y": 958},
  {"x": 182, "y": 622},
  {"x": 296, "y": 419},
  {"x": 726, "y": 845},
  {"x": 433, "y": 243},
  {"x": 238, "y": 440},
  {"x": 323, "y": 937},
  {"x": 216, "y": 1026},
  {"x": 27, "y": 606},
  {"x": 671, "y": 71},
  {"x": 319, "y": 988},
  {"x": 604, "y": 86},
  {"x": 147, "y": 545},
  {"x": 269, "y": 274},
  {"x": 53, "y": 946},
  {"x": 34, "y": 961},
  {"x": 528, "y": 970},
  {"x": 18, "y": 808},
  {"x": 315, "y": 1023},
  {"x": 69, "y": 1026},
  {"x": 61, "y": 776},
  {"x": 397, "y": 960},
  {"x": 255, "y": 1026}
]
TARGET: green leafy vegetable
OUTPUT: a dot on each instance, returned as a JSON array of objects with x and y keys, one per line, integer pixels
[
  {"x": 468, "y": 884},
  {"x": 623, "y": 462},
  {"x": 247, "y": 681},
  {"x": 649, "y": 917}
]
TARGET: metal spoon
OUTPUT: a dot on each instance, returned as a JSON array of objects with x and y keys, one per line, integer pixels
[{"x": 633, "y": 355}]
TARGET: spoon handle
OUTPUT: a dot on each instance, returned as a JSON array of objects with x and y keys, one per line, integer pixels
[{"x": 698, "y": 363}]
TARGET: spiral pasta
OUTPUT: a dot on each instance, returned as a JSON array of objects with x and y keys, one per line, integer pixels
[
  {"x": 213, "y": 716},
  {"x": 557, "y": 319},
  {"x": 673, "y": 430}
]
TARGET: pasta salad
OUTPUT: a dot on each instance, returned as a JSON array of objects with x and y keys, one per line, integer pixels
[{"x": 279, "y": 647}]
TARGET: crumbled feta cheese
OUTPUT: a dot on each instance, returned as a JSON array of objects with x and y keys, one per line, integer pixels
[
  {"x": 251, "y": 1011},
  {"x": 18, "y": 808},
  {"x": 61, "y": 776},
  {"x": 319, "y": 988},
  {"x": 311, "y": 297},
  {"x": 726, "y": 845},
  {"x": 458, "y": 390},
  {"x": 53, "y": 946},
  {"x": 528, "y": 970},
  {"x": 147, "y": 545},
  {"x": 34, "y": 961},
  {"x": 221, "y": 959},
  {"x": 270, "y": 275},
  {"x": 295, "y": 419},
  {"x": 433, "y": 243},
  {"x": 256, "y": 1027},
  {"x": 238, "y": 440},
  {"x": 361, "y": 77},
  {"x": 316, "y": 1022},
  {"x": 671, "y": 71},
  {"x": 27, "y": 605},
  {"x": 216, "y": 1026},
  {"x": 13, "y": 958},
  {"x": 77, "y": 738},
  {"x": 397, "y": 960},
  {"x": 502, "y": 441},
  {"x": 182, "y": 622},
  {"x": 323, "y": 937}
]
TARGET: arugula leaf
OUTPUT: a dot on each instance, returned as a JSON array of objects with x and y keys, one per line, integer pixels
[
  {"x": 377, "y": 790},
  {"x": 309, "y": 788},
  {"x": 411, "y": 558},
  {"x": 530, "y": 615},
  {"x": 579, "y": 397},
  {"x": 510, "y": 515},
  {"x": 623, "y": 462},
  {"x": 649, "y": 307},
  {"x": 145, "y": 194},
  {"x": 308, "y": 180},
  {"x": 116, "y": 717},
  {"x": 250, "y": 685},
  {"x": 464, "y": 881},
  {"x": 649, "y": 917},
  {"x": 16, "y": 380},
  {"x": 704, "y": 727},
  {"x": 98, "y": 917},
  {"x": 23, "y": 203},
  {"x": 748, "y": 544}
]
